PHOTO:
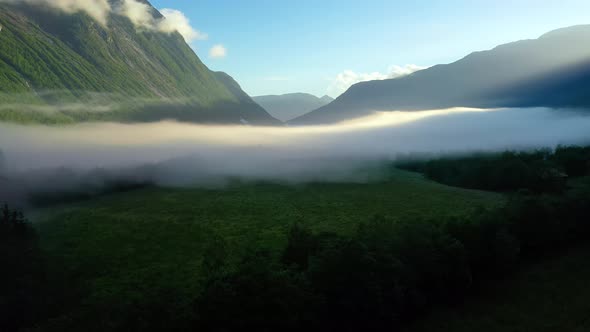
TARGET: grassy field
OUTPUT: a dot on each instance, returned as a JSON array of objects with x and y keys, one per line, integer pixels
[
  {"x": 545, "y": 297},
  {"x": 128, "y": 246}
]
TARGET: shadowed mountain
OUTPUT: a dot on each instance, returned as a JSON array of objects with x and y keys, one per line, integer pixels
[
  {"x": 49, "y": 59},
  {"x": 289, "y": 106},
  {"x": 552, "y": 71}
]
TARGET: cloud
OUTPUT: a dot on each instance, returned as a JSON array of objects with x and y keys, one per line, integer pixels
[
  {"x": 347, "y": 78},
  {"x": 142, "y": 16},
  {"x": 97, "y": 9},
  {"x": 177, "y": 21},
  {"x": 218, "y": 51}
]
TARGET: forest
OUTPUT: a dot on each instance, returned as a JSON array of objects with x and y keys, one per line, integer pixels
[{"x": 385, "y": 275}]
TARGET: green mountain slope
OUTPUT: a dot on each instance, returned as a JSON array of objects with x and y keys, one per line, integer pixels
[{"x": 50, "y": 58}]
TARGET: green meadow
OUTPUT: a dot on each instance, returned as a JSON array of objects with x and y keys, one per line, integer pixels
[{"x": 139, "y": 243}]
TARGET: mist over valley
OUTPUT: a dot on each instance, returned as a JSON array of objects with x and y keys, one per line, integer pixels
[{"x": 180, "y": 154}]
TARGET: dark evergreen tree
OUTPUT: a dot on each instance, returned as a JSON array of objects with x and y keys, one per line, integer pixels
[{"x": 22, "y": 277}]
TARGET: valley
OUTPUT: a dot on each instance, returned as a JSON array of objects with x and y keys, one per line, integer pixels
[{"x": 171, "y": 166}]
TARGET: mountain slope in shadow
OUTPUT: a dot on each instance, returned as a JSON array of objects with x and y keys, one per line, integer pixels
[{"x": 552, "y": 71}]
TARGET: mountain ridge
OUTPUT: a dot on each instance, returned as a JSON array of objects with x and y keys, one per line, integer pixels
[{"x": 527, "y": 73}]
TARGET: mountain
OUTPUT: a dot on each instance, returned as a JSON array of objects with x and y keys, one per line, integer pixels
[
  {"x": 551, "y": 71},
  {"x": 327, "y": 99},
  {"x": 289, "y": 106},
  {"x": 68, "y": 67}
]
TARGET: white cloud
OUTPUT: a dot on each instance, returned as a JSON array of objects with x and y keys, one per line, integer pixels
[
  {"x": 141, "y": 15},
  {"x": 218, "y": 51},
  {"x": 138, "y": 13},
  {"x": 177, "y": 21},
  {"x": 347, "y": 78},
  {"x": 97, "y": 9}
]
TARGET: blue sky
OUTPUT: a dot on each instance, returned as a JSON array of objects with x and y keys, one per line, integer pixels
[{"x": 283, "y": 46}]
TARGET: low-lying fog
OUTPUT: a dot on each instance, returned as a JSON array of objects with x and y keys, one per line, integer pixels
[{"x": 179, "y": 154}]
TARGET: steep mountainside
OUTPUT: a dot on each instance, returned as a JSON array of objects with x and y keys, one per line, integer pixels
[
  {"x": 289, "y": 106},
  {"x": 552, "y": 71},
  {"x": 49, "y": 59}
]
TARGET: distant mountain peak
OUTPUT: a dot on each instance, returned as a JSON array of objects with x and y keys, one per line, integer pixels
[
  {"x": 327, "y": 98},
  {"x": 291, "y": 105}
]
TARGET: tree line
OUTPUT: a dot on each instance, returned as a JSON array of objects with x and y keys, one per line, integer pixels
[{"x": 538, "y": 171}]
